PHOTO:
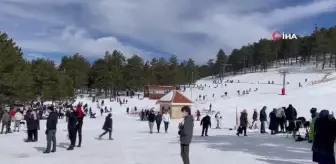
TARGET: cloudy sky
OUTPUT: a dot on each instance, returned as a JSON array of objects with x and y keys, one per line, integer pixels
[{"x": 187, "y": 28}]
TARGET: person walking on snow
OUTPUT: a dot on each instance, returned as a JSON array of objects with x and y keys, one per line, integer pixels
[
  {"x": 205, "y": 123},
  {"x": 107, "y": 127},
  {"x": 243, "y": 123},
  {"x": 158, "y": 120},
  {"x": 51, "y": 130},
  {"x": 72, "y": 122},
  {"x": 254, "y": 119},
  {"x": 151, "y": 119},
  {"x": 186, "y": 129},
  {"x": 218, "y": 118},
  {"x": 166, "y": 120}
]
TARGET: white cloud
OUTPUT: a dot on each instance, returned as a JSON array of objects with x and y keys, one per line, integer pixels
[{"x": 187, "y": 28}]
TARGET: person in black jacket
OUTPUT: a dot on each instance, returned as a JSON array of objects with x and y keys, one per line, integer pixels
[
  {"x": 158, "y": 120},
  {"x": 51, "y": 130},
  {"x": 206, "y": 122},
  {"x": 72, "y": 122},
  {"x": 323, "y": 144},
  {"x": 108, "y": 125},
  {"x": 273, "y": 126},
  {"x": 151, "y": 119},
  {"x": 263, "y": 119},
  {"x": 291, "y": 114},
  {"x": 32, "y": 126}
]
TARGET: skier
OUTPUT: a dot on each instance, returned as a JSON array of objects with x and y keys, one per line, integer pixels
[
  {"x": 72, "y": 122},
  {"x": 205, "y": 123},
  {"x": 51, "y": 130},
  {"x": 166, "y": 120},
  {"x": 186, "y": 131},
  {"x": 243, "y": 123},
  {"x": 151, "y": 119},
  {"x": 79, "y": 125},
  {"x": 158, "y": 120},
  {"x": 108, "y": 125}
]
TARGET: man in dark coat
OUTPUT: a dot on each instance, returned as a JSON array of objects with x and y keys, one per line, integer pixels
[
  {"x": 186, "y": 130},
  {"x": 72, "y": 122},
  {"x": 243, "y": 122},
  {"x": 32, "y": 126},
  {"x": 273, "y": 126},
  {"x": 158, "y": 120},
  {"x": 263, "y": 119},
  {"x": 151, "y": 119},
  {"x": 205, "y": 123},
  {"x": 291, "y": 114},
  {"x": 51, "y": 130},
  {"x": 323, "y": 144},
  {"x": 108, "y": 125}
]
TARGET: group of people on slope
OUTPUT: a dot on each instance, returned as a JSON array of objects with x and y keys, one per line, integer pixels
[
  {"x": 165, "y": 117},
  {"x": 6, "y": 119},
  {"x": 75, "y": 124}
]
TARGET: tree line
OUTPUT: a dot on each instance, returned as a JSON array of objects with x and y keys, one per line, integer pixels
[{"x": 22, "y": 80}]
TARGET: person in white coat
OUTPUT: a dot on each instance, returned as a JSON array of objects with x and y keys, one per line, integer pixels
[
  {"x": 18, "y": 117},
  {"x": 166, "y": 120},
  {"x": 218, "y": 118}
]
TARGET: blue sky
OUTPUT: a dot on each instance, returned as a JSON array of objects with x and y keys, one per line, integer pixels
[{"x": 154, "y": 28}]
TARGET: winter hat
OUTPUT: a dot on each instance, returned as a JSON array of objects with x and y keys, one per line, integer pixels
[
  {"x": 109, "y": 115},
  {"x": 51, "y": 108},
  {"x": 313, "y": 110}
]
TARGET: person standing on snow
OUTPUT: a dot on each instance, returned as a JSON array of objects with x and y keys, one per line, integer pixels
[
  {"x": 18, "y": 117},
  {"x": 166, "y": 120},
  {"x": 72, "y": 122},
  {"x": 32, "y": 126},
  {"x": 263, "y": 119},
  {"x": 205, "y": 123},
  {"x": 218, "y": 118},
  {"x": 254, "y": 119},
  {"x": 186, "y": 129},
  {"x": 243, "y": 123},
  {"x": 108, "y": 125},
  {"x": 314, "y": 116},
  {"x": 198, "y": 115},
  {"x": 158, "y": 120},
  {"x": 51, "y": 130},
  {"x": 79, "y": 125},
  {"x": 151, "y": 119},
  {"x": 273, "y": 126},
  {"x": 5, "y": 121},
  {"x": 323, "y": 144}
]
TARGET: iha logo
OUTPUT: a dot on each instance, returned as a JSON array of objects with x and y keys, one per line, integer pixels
[{"x": 278, "y": 36}]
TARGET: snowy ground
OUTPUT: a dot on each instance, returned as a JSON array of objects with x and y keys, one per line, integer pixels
[{"x": 134, "y": 145}]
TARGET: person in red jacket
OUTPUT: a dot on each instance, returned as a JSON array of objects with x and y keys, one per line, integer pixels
[{"x": 79, "y": 125}]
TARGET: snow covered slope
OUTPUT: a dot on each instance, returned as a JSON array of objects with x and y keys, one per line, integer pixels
[{"x": 134, "y": 145}]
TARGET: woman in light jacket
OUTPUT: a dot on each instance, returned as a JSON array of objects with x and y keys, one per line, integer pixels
[
  {"x": 18, "y": 117},
  {"x": 166, "y": 120}
]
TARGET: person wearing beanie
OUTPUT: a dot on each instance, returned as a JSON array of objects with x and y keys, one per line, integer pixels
[{"x": 51, "y": 130}]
